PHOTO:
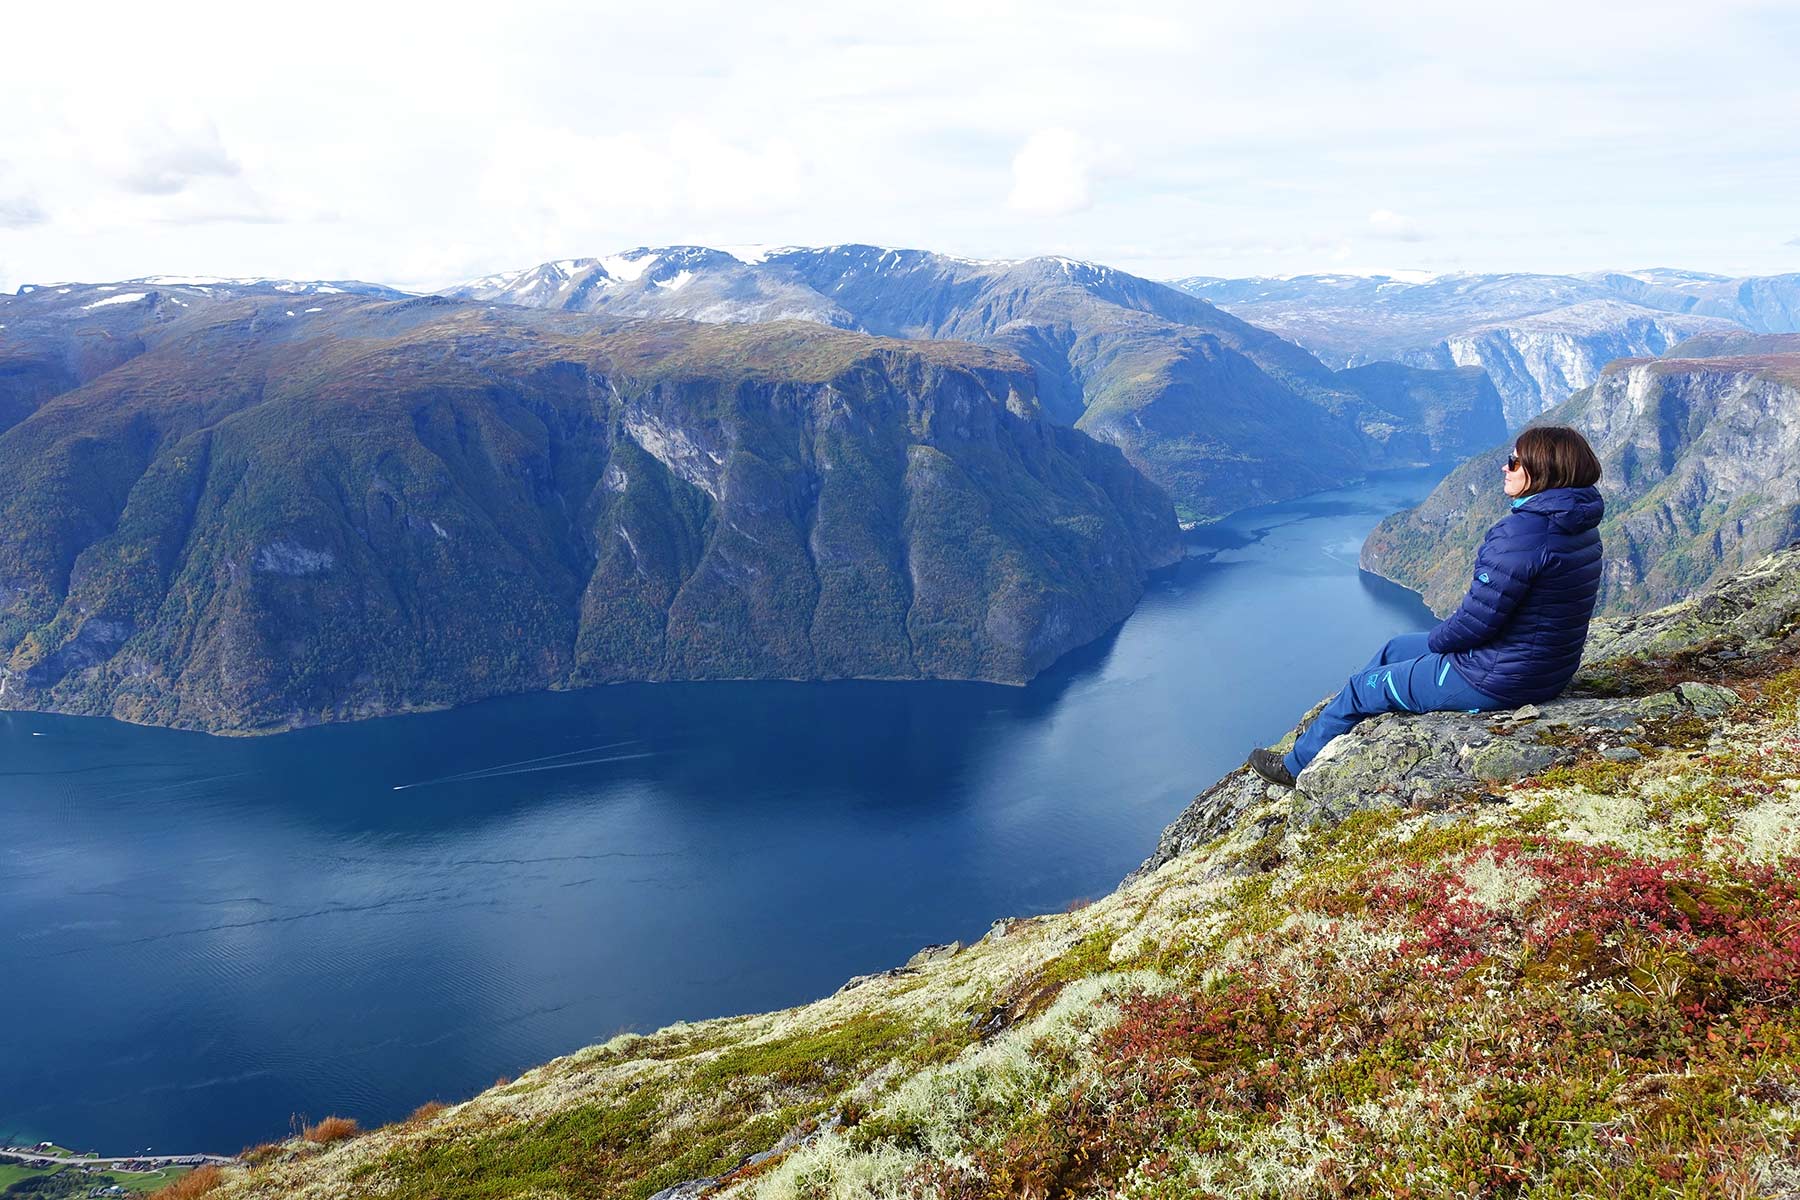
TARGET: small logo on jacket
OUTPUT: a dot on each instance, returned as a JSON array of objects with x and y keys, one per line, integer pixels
[{"x": 1483, "y": 576}]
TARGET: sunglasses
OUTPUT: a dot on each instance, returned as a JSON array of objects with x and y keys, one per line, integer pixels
[{"x": 1512, "y": 462}]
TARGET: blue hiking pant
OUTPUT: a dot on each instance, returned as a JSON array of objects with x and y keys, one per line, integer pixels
[{"x": 1402, "y": 677}]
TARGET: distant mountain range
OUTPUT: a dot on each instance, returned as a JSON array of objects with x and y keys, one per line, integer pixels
[
  {"x": 248, "y": 505},
  {"x": 1221, "y": 413},
  {"x": 1540, "y": 338},
  {"x": 1701, "y": 452}
]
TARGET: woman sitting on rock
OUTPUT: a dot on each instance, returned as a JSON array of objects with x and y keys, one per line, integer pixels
[{"x": 1516, "y": 638}]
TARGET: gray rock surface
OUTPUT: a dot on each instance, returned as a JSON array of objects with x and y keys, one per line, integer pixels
[
  {"x": 937, "y": 953},
  {"x": 1746, "y": 613},
  {"x": 1707, "y": 699},
  {"x": 1430, "y": 760},
  {"x": 1424, "y": 760}
]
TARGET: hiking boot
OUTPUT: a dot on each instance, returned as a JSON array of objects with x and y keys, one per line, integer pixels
[{"x": 1269, "y": 765}]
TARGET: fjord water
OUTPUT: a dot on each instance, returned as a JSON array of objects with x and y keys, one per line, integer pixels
[{"x": 200, "y": 936}]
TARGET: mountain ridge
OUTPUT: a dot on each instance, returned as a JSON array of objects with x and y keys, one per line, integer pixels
[
  {"x": 262, "y": 516},
  {"x": 1540, "y": 337},
  {"x": 1220, "y": 413}
]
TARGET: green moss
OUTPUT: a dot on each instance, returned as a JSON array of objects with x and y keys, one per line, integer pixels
[
  {"x": 1534, "y": 819},
  {"x": 1252, "y": 908},
  {"x": 631, "y": 1148},
  {"x": 601, "y": 1150},
  {"x": 1355, "y": 835},
  {"x": 1600, "y": 776},
  {"x": 1266, "y": 854},
  {"x": 1676, "y": 733},
  {"x": 1092, "y": 955},
  {"x": 810, "y": 1060},
  {"x": 1780, "y": 694}
]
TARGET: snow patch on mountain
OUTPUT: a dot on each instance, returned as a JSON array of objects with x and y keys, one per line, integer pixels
[
  {"x": 753, "y": 253},
  {"x": 630, "y": 265},
  {"x": 295, "y": 287}
]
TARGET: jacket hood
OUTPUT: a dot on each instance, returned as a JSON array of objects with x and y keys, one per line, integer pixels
[{"x": 1572, "y": 510}]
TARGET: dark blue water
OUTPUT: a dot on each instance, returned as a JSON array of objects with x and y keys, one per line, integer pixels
[{"x": 201, "y": 936}]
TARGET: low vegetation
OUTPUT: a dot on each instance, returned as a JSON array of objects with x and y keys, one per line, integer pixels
[
  {"x": 198, "y": 1182},
  {"x": 331, "y": 1129}
]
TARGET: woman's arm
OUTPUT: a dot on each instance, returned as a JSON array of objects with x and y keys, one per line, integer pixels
[{"x": 1501, "y": 581}]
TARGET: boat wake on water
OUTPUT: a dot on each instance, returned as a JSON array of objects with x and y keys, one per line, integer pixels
[{"x": 527, "y": 766}]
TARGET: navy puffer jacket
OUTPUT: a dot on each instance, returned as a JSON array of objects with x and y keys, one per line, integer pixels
[{"x": 1517, "y": 636}]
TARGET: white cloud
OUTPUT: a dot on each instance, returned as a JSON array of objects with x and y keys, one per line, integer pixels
[
  {"x": 543, "y": 129},
  {"x": 594, "y": 193},
  {"x": 1385, "y": 223},
  {"x": 170, "y": 160},
  {"x": 1052, "y": 174},
  {"x": 20, "y": 207},
  {"x": 19, "y": 210}
]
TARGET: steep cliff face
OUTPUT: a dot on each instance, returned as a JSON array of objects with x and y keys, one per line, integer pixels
[
  {"x": 1548, "y": 952},
  {"x": 1701, "y": 453},
  {"x": 1220, "y": 413},
  {"x": 269, "y": 515},
  {"x": 1535, "y": 362},
  {"x": 1540, "y": 338}
]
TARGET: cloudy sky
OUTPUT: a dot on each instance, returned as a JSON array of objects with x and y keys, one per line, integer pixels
[{"x": 421, "y": 144}]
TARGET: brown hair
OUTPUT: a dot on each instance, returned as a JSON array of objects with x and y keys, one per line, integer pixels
[{"x": 1555, "y": 456}]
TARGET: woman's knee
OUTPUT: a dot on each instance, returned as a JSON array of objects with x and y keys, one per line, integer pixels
[
  {"x": 1403, "y": 646},
  {"x": 1398, "y": 648}
]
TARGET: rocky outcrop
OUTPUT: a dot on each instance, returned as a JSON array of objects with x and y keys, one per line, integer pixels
[
  {"x": 1435, "y": 760},
  {"x": 1701, "y": 453},
  {"x": 1748, "y": 614}
]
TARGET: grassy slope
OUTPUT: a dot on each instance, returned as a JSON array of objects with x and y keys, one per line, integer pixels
[{"x": 1588, "y": 989}]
